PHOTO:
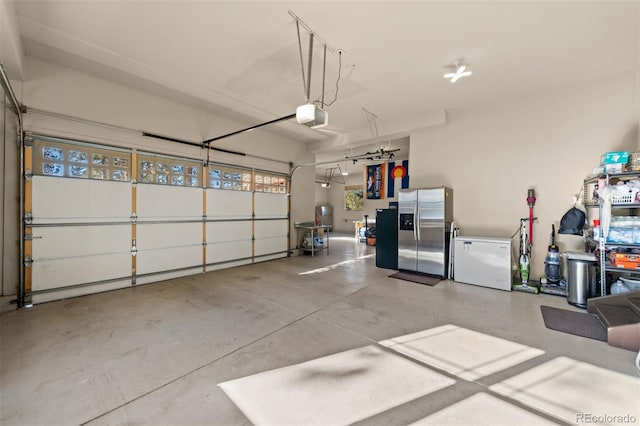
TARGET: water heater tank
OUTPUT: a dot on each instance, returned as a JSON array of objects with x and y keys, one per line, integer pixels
[{"x": 324, "y": 215}]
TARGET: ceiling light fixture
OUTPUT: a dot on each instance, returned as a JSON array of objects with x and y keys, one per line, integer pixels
[{"x": 461, "y": 71}]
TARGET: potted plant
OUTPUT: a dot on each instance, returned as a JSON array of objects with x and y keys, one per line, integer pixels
[{"x": 370, "y": 234}]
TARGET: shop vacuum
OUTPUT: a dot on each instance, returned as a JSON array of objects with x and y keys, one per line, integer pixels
[
  {"x": 552, "y": 282},
  {"x": 572, "y": 223}
]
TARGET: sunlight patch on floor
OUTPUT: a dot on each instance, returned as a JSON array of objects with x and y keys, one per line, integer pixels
[
  {"x": 335, "y": 265},
  {"x": 576, "y": 392},
  {"x": 465, "y": 353},
  {"x": 334, "y": 390},
  {"x": 482, "y": 409},
  {"x": 349, "y": 238}
]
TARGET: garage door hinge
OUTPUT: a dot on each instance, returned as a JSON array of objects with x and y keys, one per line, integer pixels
[
  {"x": 28, "y": 174},
  {"x": 204, "y": 243},
  {"x": 28, "y": 261},
  {"x": 31, "y": 237},
  {"x": 134, "y": 251},
  {"x": 28, "y": 141},
  {"x": 28, "y": 218},
  {"x": 134, "y": 217}
]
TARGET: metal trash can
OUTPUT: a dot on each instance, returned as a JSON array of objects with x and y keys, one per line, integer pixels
[{"x": 581, "y": 278}]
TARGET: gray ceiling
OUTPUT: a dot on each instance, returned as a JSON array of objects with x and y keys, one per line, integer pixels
[{"x": 241, "y": 59}]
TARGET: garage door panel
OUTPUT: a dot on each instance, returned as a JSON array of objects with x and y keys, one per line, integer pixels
[
  {"x": 271, "y": 228},
  {"x": 79, "y": 291},
  {"x": 271, "y": 236},
  {"x": 218, "y": 267},
  {"x": 228, "y": 231},
  {"x": 270, "y": 245},
  {"x": 168, "y": 275},
  {"x": 164, "y": 235},
  {"x": 56, "y": 273},
  {"x": 167, "y": 202},
  {"x": 56, "y": 242},
  {"x": 68, "y": 200},
  {"x": 228, "y": 241},
  {"x": 224, "y": 252},
  {"x": 270, "y": 257},
  {"x": 270, "y": 205},
  {"x": 223, "y": 204},
  {"x": 149, "y": 261}
]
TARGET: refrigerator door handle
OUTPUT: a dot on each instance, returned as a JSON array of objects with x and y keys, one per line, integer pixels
[{"x": 416, "y": 223}]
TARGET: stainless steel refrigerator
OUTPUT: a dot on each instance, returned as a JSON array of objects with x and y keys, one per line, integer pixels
[{"x": 424, "y": 222}]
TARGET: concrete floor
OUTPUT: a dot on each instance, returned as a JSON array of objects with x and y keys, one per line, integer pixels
[{"x": 156, "y": 354}]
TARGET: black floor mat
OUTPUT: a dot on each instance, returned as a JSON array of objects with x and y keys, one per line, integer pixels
[
  {"x": 416, "y": 278},
  {"x": 576, "y": 323}
]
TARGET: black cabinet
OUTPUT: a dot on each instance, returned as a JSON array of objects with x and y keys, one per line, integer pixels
[{"x": 387, "y": 238}]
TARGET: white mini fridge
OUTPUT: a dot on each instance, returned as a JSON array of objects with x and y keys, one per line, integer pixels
[{"x": 484, "y": 261}]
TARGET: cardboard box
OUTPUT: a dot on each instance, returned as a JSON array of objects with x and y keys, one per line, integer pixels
[
  {"x": 615, "y": 157},
  {"x": 610, "y": 168},
  {"x": 625, "y": 260},
  {"x": 615, "y": 168},
  {"x": 634, "y": 162}
]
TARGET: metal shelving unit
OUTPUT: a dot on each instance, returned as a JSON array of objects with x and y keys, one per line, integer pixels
[
  {"x": 312, "y": 230},
  {"x": 605, "y": 265}
]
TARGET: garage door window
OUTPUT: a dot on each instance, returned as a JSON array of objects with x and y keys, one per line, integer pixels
[
  {"x": 223, "y": 177},
  {"x": 85, "y": 161},
  {"x": 270, "y": 183},
  {"x": 168, "y": 171}
]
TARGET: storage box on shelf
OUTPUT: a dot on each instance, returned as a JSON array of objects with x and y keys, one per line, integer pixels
[
  {"x": 618, "y": 251},
  {"x": 615, "y": 157},
  {"x": 634, "y": 162},
  {"x": 625, "y": 260}
]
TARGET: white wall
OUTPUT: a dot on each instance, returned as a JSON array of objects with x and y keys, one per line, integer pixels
[
  {"x": 343, "y": 220},
  {"x": 549, "y": 141},
  {"x": 9, "y": 201},
  {"x": 61, "y": 90},
  {"x": 11, "y": 52},
  {"x": 302, "y": 196},
  {"x": 322, "y": 194},
  {"x": 3, "y": 220},
  {"x": 11, "y": 55}
]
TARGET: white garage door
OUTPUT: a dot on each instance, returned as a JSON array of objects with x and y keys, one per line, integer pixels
[
  {"x": 169, "y": 217},
  {"x": 80, "y": 219},
  {"x": 229, "y": 222},
  {"x": 271, "y": 225},
  {"x": 102, "y": 218}
]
